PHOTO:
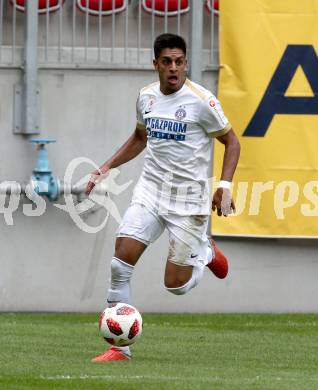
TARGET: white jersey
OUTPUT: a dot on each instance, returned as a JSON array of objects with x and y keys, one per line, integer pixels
[{"x": 177, "y": 159}]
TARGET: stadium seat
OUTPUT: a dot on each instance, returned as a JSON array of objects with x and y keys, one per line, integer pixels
[
  {"x": 213, "y": 6},
  {"x": 166, "y": 7},
  {"x": 43, "y": 5},
  {"x": 102, "y": 7}
]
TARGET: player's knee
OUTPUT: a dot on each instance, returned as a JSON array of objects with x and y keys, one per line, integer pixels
[
  {"x": 128, "y": 250},
  {"x": 121, "y": 252}
]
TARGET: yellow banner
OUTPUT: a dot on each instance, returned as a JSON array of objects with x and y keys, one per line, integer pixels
[{"x": 268, "y": 87}]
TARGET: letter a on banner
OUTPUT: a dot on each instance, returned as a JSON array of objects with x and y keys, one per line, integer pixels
[{"x": 274, "y": 100}]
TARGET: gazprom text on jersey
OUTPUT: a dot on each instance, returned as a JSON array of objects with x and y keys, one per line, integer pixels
[{"x": 161, "y": 124}]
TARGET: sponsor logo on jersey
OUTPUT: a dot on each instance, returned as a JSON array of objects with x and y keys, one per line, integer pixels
[
  {"x": 168, "y": 125},
  {"x": 170, "y": 129},
  {"x": 212, "y": 103},
  {"x": 161, "y": 135}
]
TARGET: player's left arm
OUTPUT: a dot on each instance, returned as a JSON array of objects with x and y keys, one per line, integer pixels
[{"x": 222, "y": 201}]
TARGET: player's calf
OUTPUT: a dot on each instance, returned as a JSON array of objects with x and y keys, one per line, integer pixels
[{"x": 190, "y": 275}]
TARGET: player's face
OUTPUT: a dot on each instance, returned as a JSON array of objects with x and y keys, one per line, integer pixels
[{"x": 171, "y": 66}]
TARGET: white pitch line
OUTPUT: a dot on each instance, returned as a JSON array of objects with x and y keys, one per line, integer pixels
[
  {"x": 132, "y": 377},
  {"x": 163, "y": 378}
]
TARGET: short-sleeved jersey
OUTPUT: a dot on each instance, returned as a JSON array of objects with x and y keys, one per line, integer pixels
[{"x": 179, "y": 127}]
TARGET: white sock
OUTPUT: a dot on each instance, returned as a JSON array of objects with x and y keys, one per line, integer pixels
[
  {"x": 124, "y": 350},
  {"x": 119, "y": 290},
  {"x": 121, "y": 273},
  {"x": 209, "y": 254}
]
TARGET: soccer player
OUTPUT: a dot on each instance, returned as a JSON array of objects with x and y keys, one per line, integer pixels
[{"x": 175, "y": 120}]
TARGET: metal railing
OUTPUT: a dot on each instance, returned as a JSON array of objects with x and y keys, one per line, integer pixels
[{"x": 72, "y": 37}]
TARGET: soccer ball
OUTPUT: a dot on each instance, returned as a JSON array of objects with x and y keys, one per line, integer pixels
[{"x": 120, "y": 324}]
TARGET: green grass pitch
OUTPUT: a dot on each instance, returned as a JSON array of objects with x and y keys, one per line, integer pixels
[{"x": 197, "y": 352}]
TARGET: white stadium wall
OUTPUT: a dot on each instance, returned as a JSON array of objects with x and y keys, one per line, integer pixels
[{"x": 49, "y": 264}]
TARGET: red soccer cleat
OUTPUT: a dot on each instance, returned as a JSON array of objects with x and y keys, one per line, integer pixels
[
  {"x": 219, "y": 264},
  {"x": 110, "y": 355}
]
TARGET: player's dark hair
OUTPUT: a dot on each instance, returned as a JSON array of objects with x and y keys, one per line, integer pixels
[{"x": 170, "y": 41}]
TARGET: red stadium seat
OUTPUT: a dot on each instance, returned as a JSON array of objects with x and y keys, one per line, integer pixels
[
  {"x": 43, "y": 5},
  {"x": 213, "y": 6},
  {"x": 166, "y": 7},
  {"x": 102, "y": 7}
]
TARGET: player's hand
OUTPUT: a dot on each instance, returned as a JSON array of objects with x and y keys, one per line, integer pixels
[
  {"x": 222, "y": 202},
  {"x": 95, "y": 178}
]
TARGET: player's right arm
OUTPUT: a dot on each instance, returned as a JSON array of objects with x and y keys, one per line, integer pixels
[
  {"x": 135, "y": 144},
  {"x": 216, "y": 124}
]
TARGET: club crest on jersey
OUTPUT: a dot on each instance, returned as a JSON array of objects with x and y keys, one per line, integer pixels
[{"x": 180, "y": 113}]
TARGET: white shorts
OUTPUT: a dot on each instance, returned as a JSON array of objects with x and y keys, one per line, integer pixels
[{"x": 188, "y": 239}]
